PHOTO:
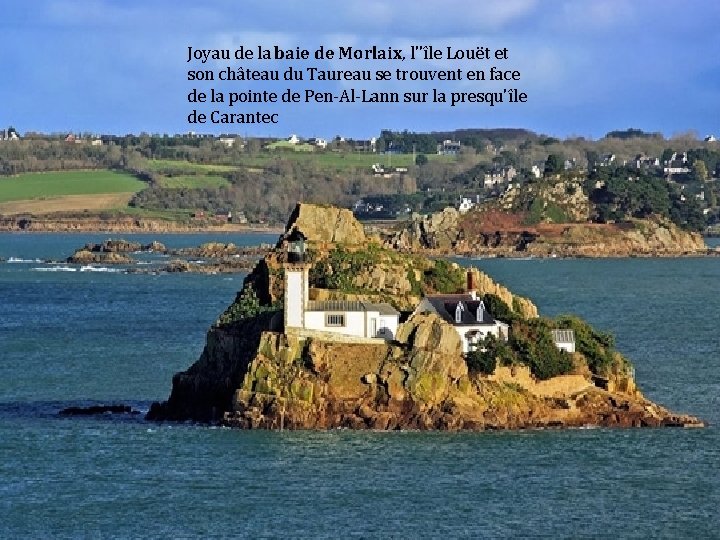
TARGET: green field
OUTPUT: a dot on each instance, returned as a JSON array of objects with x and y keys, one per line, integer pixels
[
  {"x": 339, "y": 161},
  {"x": 193, "y": 182},
  {"x": 62, "y": 183},
  {"x": 163, "y": 165},
  {"x": 290, "y": 147}
]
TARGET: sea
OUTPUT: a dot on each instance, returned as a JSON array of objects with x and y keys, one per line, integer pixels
[{"x": 80, "y": 336}]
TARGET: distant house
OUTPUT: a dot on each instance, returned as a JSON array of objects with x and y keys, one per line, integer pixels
[
  {"x": 349, "y": 318},
  {"x": 606, "y": 160},
  {"x": 229, "y": 142},
  {"x": 466, "y": 203},
  {"x": 710, "y": 138},
  {"x": 315, "y": 141},
  {"x": 677, "y": 164},
  {"x": 499, "y": 176},
  {"x": 643, "y": 161},
  {"x": 9, "y": 135},
  {"x": 364, "y": 145},
  {"x": 293, "y": 139},
  {"x": 537, "y": 170},
  {"x": 448, "y": 148},
  {"x": 570, "y": 164},
  {"x": 564, "y": 340},
  {"x": 380, "y": 171}
]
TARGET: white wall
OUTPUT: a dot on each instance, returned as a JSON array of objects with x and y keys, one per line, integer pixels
[
  {"x": 295, "y": 296},
  {"x": 385, "y": 325},
  {"x": 483, "y": 329},
  {"x": 354, "y": 322}
]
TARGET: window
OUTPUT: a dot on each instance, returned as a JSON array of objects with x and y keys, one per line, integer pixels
[
  {"x": 458, "y": 312},
  {"x": 480, "y": 312},
  {"x": 334, "y": 319}
]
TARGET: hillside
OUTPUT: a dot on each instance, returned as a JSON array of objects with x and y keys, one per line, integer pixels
[
  {"x": 257, "y": 373},
  {"x": 259, "y": 180}
]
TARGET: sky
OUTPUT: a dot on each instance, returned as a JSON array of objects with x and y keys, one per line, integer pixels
[{"x": 587, "y": 66}]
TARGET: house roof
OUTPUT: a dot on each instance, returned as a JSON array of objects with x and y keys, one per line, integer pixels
[
  {"x": 446, "y": 306},
  {"x": 563, "y": 336},
  {"x": 352, "y": 305}
]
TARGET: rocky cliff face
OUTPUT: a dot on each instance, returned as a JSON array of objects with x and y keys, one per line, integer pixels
[
  {"x": 641, "y": 238},
  {"x": 441, "y": 234},
  {"x": 326, "y": 224},
  {"x": 421, "y": 381}
]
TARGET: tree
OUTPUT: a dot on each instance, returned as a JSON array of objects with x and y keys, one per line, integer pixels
[
  {"x": 700, "y": 171},
  {"x": 554, "y": 164},
  {"x": 421, "y": 160}
]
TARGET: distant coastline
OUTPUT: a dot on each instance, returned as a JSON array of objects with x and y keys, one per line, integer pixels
[{"x": 96, "y": 224}]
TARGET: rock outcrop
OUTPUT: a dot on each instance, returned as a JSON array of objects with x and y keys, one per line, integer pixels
[
  {"x": 86, "y": 256},
  {"x": 438, "y": 231},
  {"x": 475, "y": 235},
  {"x": 326, "y": 224}
]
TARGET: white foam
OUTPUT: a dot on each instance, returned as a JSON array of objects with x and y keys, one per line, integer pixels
[
  {"x": 91, "y": 268},
  {"x": 20, "y": 260},
  {"x": 54, "y": 269}
]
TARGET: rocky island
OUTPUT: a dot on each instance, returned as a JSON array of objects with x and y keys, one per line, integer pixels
[
  {"x": 544, "y": 219},
  {"x": 330, "y": 330}
]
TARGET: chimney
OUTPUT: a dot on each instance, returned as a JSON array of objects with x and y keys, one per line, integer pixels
[{"x": 471, "y": 285}]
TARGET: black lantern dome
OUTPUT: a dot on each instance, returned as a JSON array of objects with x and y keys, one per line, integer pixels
[{"x": 296, "y": 247}]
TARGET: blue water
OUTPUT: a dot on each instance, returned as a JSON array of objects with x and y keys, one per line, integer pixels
[{"x": 69, "y": 338}]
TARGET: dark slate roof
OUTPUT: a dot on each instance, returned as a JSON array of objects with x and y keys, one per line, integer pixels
[{"x": 446, "y": 305}]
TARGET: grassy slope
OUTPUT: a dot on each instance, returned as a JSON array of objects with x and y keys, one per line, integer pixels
[
  {"x": 193, "y": 182},
  {"x": 162, "y": 165},
  {"x": 57, "y": 184},
  {"x": 325, "y": 160}
]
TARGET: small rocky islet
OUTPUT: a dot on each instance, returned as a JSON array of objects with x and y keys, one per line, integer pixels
[
  {"x": 211, "y": 257},
  {"x": 259, "y": 371}
]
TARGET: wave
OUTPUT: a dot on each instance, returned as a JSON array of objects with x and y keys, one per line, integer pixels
[
  {"x": 54, "y": 269},
  {"x": 91, "y": 268},
  {"x": 20, "y": 260}
]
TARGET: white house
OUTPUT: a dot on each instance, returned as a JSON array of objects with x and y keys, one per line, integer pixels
[
  {"x": 293, "y": 139},
  {"x": 315, "y": 141},
  {"x": 467, "y": 314},
  {"x": 465, "y": 205},
  {"x": 449, "y": 148},
  {"x": 349, "y": 318},
  {"x": 564, "y": 340}
]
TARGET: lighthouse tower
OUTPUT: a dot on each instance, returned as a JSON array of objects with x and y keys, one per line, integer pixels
[{"x": 296, "y": 282}]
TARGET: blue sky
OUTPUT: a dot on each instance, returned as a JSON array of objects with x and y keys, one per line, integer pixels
[{"x": 588, "y": 66}]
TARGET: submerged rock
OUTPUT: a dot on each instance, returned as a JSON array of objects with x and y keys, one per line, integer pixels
[
  {"x": 85, "y": 256},
  {"x": 98, "y": 409}
]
